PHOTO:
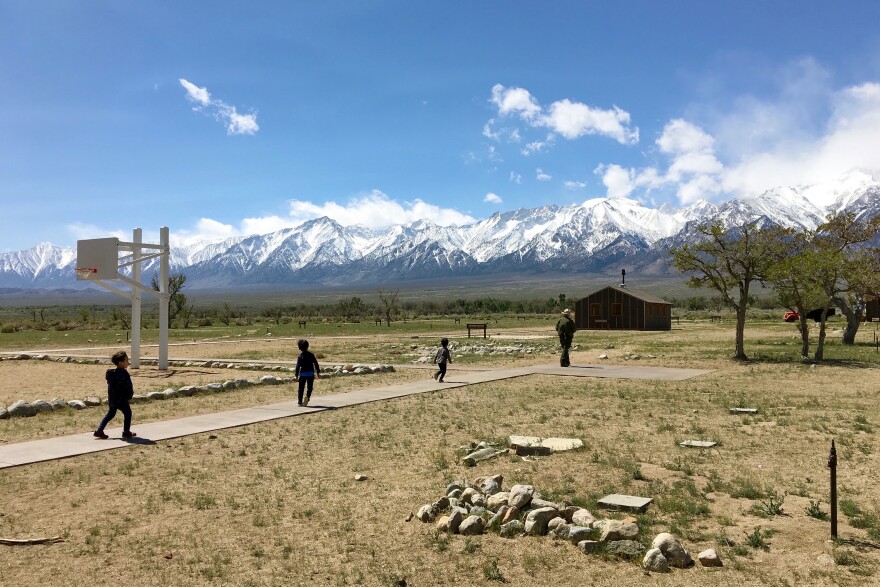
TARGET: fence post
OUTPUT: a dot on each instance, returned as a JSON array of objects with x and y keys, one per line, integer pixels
[{"x": 832, "y": 464}]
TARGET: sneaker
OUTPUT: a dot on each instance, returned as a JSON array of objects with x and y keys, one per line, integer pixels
[
  {"x": 305, "y": 402},
  {"x": 100, "y": 434},
  {"x": 128, "y": 434},
  {"x": 299, "y": 403},
  {"x": 436, "y": 375}
]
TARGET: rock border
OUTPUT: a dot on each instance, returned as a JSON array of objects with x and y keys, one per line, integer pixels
[{"x": 21, "y": 408}]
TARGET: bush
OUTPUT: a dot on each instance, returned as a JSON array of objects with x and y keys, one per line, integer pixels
[{"x": 7, "y": 329}]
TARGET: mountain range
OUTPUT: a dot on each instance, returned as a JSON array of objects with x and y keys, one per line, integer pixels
[{"x": 599, "y": 236}]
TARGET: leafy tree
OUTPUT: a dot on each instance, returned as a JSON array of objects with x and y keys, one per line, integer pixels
[
  {"x": 728, "y": 261},
  {"x": 389, "y": 303},
  {"x": 176, "y": 300}
]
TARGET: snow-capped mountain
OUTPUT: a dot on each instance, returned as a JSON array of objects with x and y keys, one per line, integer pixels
[{"x": 599, "y": 235}]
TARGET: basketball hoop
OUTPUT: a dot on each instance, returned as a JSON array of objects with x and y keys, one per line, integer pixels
[{"x": 85, "y": 272}]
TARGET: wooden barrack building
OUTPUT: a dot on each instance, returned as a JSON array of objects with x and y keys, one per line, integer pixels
[{"x": 622, "y": 308}]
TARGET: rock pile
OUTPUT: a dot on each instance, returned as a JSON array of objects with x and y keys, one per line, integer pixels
[{"x": 484, "y": 506}]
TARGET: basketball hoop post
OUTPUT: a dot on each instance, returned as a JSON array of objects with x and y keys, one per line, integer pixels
[
  {"x": 163, "y": 299},
  {"x": 137, "y": 238}
]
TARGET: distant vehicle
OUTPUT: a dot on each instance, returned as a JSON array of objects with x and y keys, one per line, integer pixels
[{"x": 814, "y": 315}]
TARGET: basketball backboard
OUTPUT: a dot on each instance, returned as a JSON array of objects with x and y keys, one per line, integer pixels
[{"x": 97, "y": 258}]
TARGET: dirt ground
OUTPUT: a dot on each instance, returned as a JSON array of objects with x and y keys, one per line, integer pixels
[{"x": 277, "y": 503}]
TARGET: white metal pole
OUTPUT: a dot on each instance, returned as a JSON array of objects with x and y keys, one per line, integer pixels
[
  {"x": 163, "y": 298},
  {"x": 137, "y": 237}
]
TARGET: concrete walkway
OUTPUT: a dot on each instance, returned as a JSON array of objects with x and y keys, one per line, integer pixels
[{"x": 34, "y": 451}]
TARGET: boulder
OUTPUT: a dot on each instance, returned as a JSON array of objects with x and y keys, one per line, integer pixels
[
  {"x": 455, "y": 518},
  {"x": 42, "y": 405},
  {"x": 426, "y": 513},
  {"x": 491, "y": 485},
  {"x": 441, "y": 504},
  {"x": 478, "y": 500},
  {"x": 156, "y": 395},
  {"x": 4, "y": 413},
  {"x": 577, "y": 534},
  {"x": 510, "y": 515},
  {"x": 497, "y": 500},
  {"x": 138, "y": 399},
  {"x": 582, "y": 517},
  {"x": 170, "y": 393},
  {"x": 455, "y": 485},
  {"x": 75, "y": 404},
  {"x": 442, "y": 524},
  {"x": 617, "y": 530},
  {"x": 22, "y": 408},
  {"x": 187, "y": 390},
  {"x": 537, "y": 520},
  {"x": 471, "y": 526},
  {"x": 58, "y": 403},
  {"x": 468, "y": 494},
  {"x": 537, "y": 502},
  {"x": 588, "y": 546},
  {"x": 92, "y": 401},
  {"x": 520, "y": 496},
  {"x": 454, "y": 494},
  {"x": 672, "y": 549},
  {"x": 558, "y": 527},
  {"x": 655, "y": 562},
  {"x": 494, "y": 522},
  {"x": 709, "y": 558}
]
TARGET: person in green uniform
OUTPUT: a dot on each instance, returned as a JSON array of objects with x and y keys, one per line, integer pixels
[{"x": 565, "y": 329}]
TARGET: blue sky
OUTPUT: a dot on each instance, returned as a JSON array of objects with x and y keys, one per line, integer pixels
[{"x": 226, "y": 118}]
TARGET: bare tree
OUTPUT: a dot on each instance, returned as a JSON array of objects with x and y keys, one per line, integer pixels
[
  {"x": 176, "y": 300},
  {"x": 389, "y": 303}
]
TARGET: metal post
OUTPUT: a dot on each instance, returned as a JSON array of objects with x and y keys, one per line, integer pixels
[
  {"x": 832, "y": 464},
  {"x": 137, "y": 237},
  {"x": 163, "y": 299}
]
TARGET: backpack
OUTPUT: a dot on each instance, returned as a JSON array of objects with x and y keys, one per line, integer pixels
[{"x": 438, "y": 358}]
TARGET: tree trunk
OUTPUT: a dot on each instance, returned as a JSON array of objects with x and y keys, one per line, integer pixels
[
  {"x": 820, "y": 346},
  {"x": 740, "y": 332},
  {"x": 805, "y": 335},
  {"x": 852, "y": 318}
]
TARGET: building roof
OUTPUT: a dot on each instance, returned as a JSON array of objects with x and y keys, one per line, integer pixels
[{"x": 645, "y": 297}]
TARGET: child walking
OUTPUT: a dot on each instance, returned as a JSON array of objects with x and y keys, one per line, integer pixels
[
  {"x": 442, "y": 357},
  {"x": 307, "y": 369},
  {"x": 119, "y": 393}
]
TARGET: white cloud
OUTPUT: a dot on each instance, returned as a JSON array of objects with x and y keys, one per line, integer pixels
[
  {"x": 574, "y": 185},
  {"x": 492, "y": 198},
  {"x": 537, "y": 146},
  {"x": 541, "y": 176},
  {"x": 515, "y": 177},
  {"x": 235, "y": 122},
  {"x": 564, "y": 117},
  {"x": 489, "y": 132}
]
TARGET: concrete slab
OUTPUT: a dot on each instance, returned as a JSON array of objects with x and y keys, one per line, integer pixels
[
  {"x": 697, "y": 443},
  {"x": 628, "y": 503},
  {"x": 743, "y": 410},
  {"x": 554, "y": 444}
]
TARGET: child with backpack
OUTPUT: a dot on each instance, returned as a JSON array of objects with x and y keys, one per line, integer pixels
[
  {"x": 442, "y": 357},
  {"x": 119, "y": 393},
  {"x": 307, "y": 369}
]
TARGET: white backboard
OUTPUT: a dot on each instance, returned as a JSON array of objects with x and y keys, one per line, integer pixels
[{"x": 100, "y": 254}]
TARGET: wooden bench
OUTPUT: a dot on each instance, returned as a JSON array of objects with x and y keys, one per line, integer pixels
[
  {"x": 520, "y": 317},
  {"x": 476, "y": 326},
  {"x": 715, "y": 317},
  {"x": 676, "y": 318},
  {"x": 378, "y": 322},
  {"x": 457, "y": 320},
  {"x": 302, "y": 323}
]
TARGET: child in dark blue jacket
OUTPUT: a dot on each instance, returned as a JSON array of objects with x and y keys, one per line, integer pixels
[
  {"x": 119, "y": 393},
  {"x": 307, "y": 369}
]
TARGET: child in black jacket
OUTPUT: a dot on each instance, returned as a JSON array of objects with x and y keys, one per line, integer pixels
[
  {"x": 119, "y": 393},
  {"x": 307, "y": 369}
]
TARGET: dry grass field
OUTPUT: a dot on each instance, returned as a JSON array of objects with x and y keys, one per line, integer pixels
[{"x": 277, "y": 504}]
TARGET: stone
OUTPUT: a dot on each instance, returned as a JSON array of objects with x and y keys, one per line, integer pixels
[
  {"x": 468, "y": 494},
  {"x": 229, "y": 384},
  {"x": 672, "y": 549},
  {"x": 537, "y": 502},
  {"x": 76, "y": 404},
  {"x": 557, "y": 526},
  {"x": 455, "y": 486},
  {"x": 268, "y": 380},
  {"x": 537, "y": 520},
  {"x": 138, "y": 399},
  {"x": 743, "y": 410},
  {"x": 58, "y": 403},
  {"x": 441, "y": 504},
  {"x": 497, "y": 500},
  {"x": 482, "y": 454},
  {"x": 603, "y": 356},
  {"x": 42, "y": 405},
  {"x": 479, "y": 511},
  {"x": 533, "y": 451},
  {"x": 568, "y": 511},
  {"x": 490, "y": 486},
  {"x": 170, "y": 393},
  {"x": 697, "y": 443},
  {"x": 520, "y": 496},
  {"x": 156, "y": 395},
  {"x": 494, "y": 522},
  {"x": 4, "y": 413},
  {"x": 617, "y": 530},
  {"x": 478, "y": 500},
  {"x": 582, "y": 517},
  {"x": 511, "y": 529},
  {"x": 655, "y": 562},
  {"x": 219, "y": 386},
  {"x": 456, "y": 516},
  {"x": 454, "y": 494},
  {"x": 22, "y": 408},
  {"x": 471, "y": 526},
  {"x": 588, "y": 546},
  {"x": 709, "y": 558},
  {"x": 628, "y": 549},
  {"x": 510, "y": 515},
  {"x": 361, "y": 477},
  {"x": 577, "y": 534},
  {"x": 631, "y": 503},
  {"x": 442, "y": 524},
  {"x": 92, "y": 401},
  {"x": 426, "y": 513}
]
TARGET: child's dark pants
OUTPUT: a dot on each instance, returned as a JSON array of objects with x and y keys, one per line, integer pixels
[
  {"x": 303, "y": 381},
  {"x": 111, "y": 413}
]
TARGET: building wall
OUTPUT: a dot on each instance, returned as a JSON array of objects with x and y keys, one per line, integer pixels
[{"x": 616, "y": 310}]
